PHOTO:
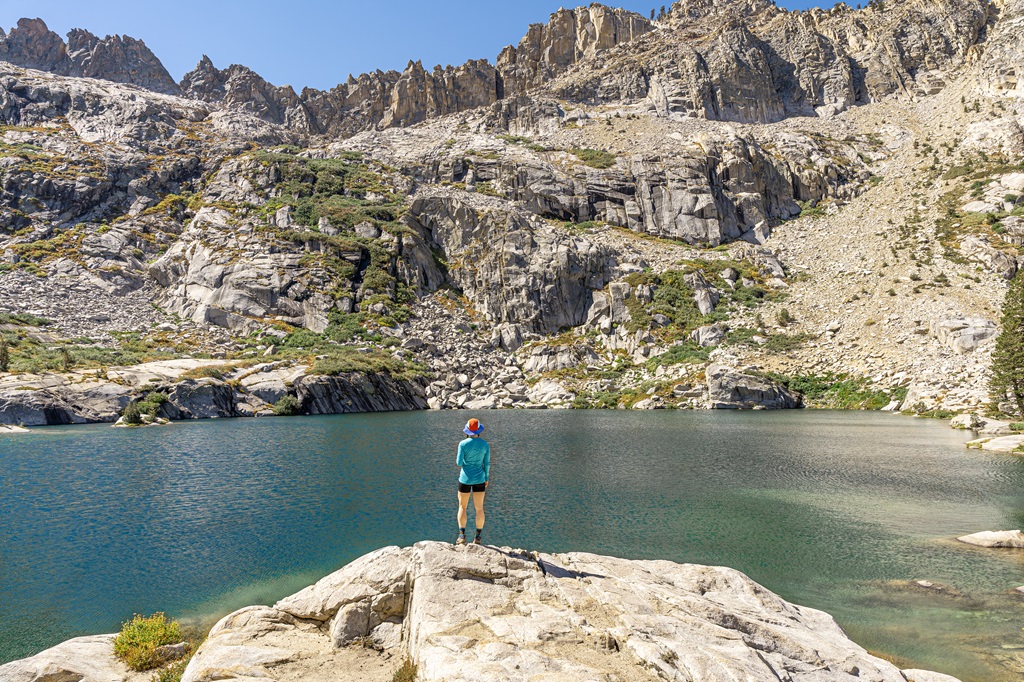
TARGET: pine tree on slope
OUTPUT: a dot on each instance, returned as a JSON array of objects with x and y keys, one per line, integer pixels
[{"x": 1008, "y": 356}]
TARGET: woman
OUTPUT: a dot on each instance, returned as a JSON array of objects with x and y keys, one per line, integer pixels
[{"x": 475, "y": 459}]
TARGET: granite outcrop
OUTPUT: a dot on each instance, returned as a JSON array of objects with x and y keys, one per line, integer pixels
[{"x": 490, "y": 613}]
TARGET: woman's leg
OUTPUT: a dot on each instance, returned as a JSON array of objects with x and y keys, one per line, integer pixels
[
  {"x": 463, "y": 503},
  {"x": 478, "y": 502}
]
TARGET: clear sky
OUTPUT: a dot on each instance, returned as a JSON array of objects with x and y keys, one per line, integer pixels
[{"x": 307, "y": 43}]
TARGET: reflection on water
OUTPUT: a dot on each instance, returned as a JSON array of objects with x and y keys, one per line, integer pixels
[{"x": 840, "y": 511}]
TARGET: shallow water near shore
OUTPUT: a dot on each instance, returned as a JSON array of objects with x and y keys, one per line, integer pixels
[{"x": 835, "y": 510}]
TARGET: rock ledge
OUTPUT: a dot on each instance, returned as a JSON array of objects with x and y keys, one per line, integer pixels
[{"x": 486, "y": 613}]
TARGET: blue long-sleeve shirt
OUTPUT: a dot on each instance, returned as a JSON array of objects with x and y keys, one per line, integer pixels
[{"x": 475, "y": 459}]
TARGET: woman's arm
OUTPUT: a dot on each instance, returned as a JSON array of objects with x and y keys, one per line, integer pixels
[{"x": 487, "y": 464}]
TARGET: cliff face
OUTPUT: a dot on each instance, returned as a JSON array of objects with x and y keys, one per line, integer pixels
[
  {"x": 751, "y": 61},
  {"x": 571, "y": 36},
  {"x": 744, "y": 60},
  {"x": 392, "y": 99},
  {"x": 121, "y": 59},
  {"x": 621, "y": 202},
  {"x": 1000, "y": 61}
]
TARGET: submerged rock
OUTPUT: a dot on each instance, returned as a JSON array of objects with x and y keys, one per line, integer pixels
[
  {"x": 999, "y": 538},
  {"x": 1007, "y": 444}
]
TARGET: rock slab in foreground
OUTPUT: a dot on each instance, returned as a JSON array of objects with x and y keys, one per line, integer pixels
[
  {"x": 84, "y": 659},
  {"x": 1013, "y": 539},
  {"x": 480, "y": 613}
]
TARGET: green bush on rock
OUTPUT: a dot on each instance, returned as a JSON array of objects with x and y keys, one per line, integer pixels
[
  {"x": 173, "y": 672},
  {"x": 839, "y": 391},
  {"x": 287, "y": 406},
  {"x": 595, "y": 158},
  {"x": 140, "y": 637},
  {"x": 132, "y": 415},
  {"x": 406, "y": 673}
]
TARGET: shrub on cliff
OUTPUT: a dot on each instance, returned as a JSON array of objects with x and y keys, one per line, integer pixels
[
  {"x": 1008, "y": 357},
  {"x": 287, "y": 406},
  {"x": 595, "y": 158},
  {"x": 132, "y": 415},
  {"x": 151, "y": 403},
  {"x": 140, "y": 637},
  {"x": 5, "y": 356}
]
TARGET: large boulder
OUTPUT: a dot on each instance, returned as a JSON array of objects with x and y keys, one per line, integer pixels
[
  {"x": 729, "y": 389},
  {"x": 55, "y": 399},
  {"x": 964, "y": 334},
  {"x": 543, "y": 358},
  {"x": 482, "y": 613},
  {"x": 710, "y": 335},
  {"x": 203, "y": 399}
]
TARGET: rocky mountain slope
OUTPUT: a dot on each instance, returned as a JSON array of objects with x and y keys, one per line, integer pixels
[
  {"x": 732, "y": 206},
  {"x": 483, "y": 613}
]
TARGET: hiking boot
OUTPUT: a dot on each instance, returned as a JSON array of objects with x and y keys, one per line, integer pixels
[
  {"x": 461, "y": 540},
  {"x": 477, "y": 540}
]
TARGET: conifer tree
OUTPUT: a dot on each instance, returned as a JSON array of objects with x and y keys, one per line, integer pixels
[
  {"x": 1008, "y": 356},
  {"x": 5, "y": 355},
  {"x": 131, "y": 414}
]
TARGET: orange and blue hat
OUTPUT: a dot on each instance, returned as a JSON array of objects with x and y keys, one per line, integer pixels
[{"x": 473, "y": 428}]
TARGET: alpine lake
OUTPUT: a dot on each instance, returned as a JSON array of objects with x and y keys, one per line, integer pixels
[{"x": 841, "y": 511}]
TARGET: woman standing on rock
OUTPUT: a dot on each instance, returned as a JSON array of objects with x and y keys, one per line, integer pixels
[{"x": 475, "y": 459}]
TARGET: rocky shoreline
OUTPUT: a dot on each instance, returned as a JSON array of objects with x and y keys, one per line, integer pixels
[
  {"x": 176, "y": 390},
  {"x": 485, "y": 613}
]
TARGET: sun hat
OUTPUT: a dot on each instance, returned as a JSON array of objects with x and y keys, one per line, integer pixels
[{"x": 473, "y": 428}]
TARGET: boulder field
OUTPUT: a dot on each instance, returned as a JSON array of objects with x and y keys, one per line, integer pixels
[{"x": 485, "y": 613}]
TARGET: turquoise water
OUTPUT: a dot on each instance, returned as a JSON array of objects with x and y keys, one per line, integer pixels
[{"x": 830, "y": 509}]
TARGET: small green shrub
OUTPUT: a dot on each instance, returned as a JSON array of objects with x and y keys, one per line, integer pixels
[
  {"x": 595, "y": 158},
  {"x": 173, "y": 672},
  {"x": 151, "y": 403},
  {"x": 809, "y": 211},
  {"x": 784, "y": 318},
  {"x": 958, "y": 171},
  {"x": 1017, "y": 426},
  {"x": 67, "y": 360},
  {"x": 780, "y": 343},
  {"x": 486, "y": 189},
  {"x": 688, "y": 352},
  {"x": 139, "y": 638},
  {"x": 302, "y": 338},
  {"x": 131, "y": 414},
  {"x": 208, "y": 372},
  {"x": 407, "y": 673},
  {"x": 23, "y": 319},
  {"x": 287, "y": 406},
  {"x": 5, "y": 356}
]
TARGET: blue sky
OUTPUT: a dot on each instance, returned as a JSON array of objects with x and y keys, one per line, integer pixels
[{"x": 301, "y": 42}]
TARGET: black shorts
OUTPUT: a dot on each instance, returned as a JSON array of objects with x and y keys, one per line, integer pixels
[{"x": 475, "y": 487}]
